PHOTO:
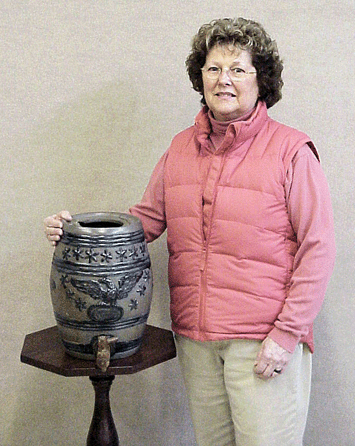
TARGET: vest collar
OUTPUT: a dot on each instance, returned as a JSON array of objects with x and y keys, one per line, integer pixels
[{"x": 237, "y": 132}]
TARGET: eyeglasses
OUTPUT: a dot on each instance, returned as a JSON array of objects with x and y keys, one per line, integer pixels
[{"x": 235, "y": 74}]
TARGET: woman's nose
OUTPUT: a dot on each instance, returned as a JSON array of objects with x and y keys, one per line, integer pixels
[{"x": 224, "y": 77}]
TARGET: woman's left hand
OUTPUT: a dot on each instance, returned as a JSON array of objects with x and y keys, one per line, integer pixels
[{"x": 271, "y": 360}]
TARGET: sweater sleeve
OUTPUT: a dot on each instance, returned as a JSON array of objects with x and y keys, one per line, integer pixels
[
  {"x": 310, "y": 211},
  {"x": 151, "y": 209}
]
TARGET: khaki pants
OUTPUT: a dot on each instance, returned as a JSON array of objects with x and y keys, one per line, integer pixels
[{"x": 231, "y": 406}]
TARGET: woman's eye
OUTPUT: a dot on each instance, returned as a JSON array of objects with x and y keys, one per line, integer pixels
[
  {"x": 237, "y": 70},
  {"x": 213, "y": 69}
]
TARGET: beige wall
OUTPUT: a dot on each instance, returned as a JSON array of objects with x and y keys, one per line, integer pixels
[{"x": 91, "y": 94}]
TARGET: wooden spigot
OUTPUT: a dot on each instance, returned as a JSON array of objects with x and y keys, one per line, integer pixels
[{"x": 102, "y": 349}]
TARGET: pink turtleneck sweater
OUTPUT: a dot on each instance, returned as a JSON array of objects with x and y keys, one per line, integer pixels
[{"x": 219, "y": 128}]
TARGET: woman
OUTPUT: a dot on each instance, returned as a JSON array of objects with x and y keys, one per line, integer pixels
[{"x": 251, "y": 244}]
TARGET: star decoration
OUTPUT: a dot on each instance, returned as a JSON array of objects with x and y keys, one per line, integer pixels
[
  {"x": 133, "y": 252},
  {"x": 91, "y": 255},
  {"x": 121, "y": 254},
  {"x": 77, "y": 253},
  {"x": 141, "y": 290},
  {"x": 66, "y": 254},
  {"x": 134, "y": 304},
  {"x": 63, "y": 280},
  {"x": 106, "y": 256}
]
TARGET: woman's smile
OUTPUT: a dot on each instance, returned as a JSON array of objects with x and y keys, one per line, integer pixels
[{"x": 225, "y": 95}]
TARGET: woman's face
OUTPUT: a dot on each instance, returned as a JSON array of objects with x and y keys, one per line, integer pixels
[{"x": 229, "y": 99}]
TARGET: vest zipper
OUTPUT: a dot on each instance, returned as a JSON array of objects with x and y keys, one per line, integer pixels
[
  {"x": 203, "y": 287},
  {"x": 203, "y": 259},
  {"x": 204, "y": 253}
]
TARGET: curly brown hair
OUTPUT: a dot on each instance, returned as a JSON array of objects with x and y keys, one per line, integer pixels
[{"x": 246, "y": 35}]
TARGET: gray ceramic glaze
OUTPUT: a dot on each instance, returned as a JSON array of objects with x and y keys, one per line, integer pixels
[{"x": 101, "y": 283}]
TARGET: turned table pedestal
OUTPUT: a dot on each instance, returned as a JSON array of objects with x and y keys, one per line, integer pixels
[{"x": 44, "y": 350}]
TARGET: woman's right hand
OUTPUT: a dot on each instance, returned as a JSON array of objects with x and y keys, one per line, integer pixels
[{"x": 53, "y": 226}]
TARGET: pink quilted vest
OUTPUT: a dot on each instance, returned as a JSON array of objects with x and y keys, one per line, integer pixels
[{"x": 230, "y": 240}]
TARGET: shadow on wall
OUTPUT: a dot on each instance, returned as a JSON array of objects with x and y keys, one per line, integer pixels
[{"x": 96, "y": 153}]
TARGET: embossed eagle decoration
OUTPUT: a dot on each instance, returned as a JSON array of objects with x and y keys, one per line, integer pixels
[{"x": 105, "y": 289}]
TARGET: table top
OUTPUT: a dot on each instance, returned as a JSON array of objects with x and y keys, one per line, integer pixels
[{"x": 44, "y": 349}]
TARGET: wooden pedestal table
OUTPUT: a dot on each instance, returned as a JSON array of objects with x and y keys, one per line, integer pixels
[{"x": 44, "y": 350}]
